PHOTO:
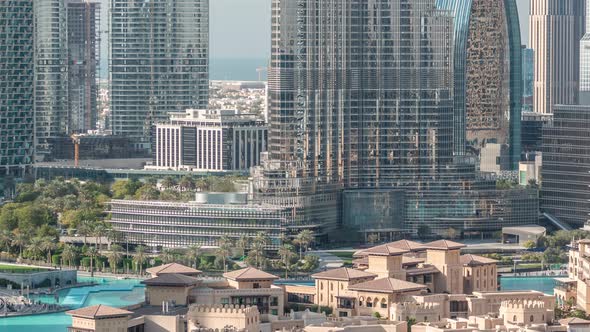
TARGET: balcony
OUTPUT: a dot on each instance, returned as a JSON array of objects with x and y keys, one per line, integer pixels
[{"x": 346, "y": 303}]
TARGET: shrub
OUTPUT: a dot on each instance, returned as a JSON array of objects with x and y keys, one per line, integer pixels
[{"x": 56, "y": 259}]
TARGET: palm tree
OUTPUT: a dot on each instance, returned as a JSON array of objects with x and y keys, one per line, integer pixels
[
  {"x": 92, "y": 253},
  {"x": 286, "y": 254},
  {"x": 304, "y": 239},
  {"x": 85, "y": 229},
  {"x": 168, "y": 182},
  {"x": 186, "y": 183},
  {"x": 35, "y": 248},
  {"x": 224, "y": 250},
  {"x": 258, "y": 247},
  {"x": 6, "y": 240},
  {"x": 140, "y": 257},
  {"x": 69, "y": 254},
  {"x": 167, "y": 255},
  {"x": 48, "y": 245},
  {"x": 100, "y": 229},
  {"x": 20, "y": 240},
  {"x": 242, "y": 244},
  {"x": 115, "y": 256},
  {"x": 192, "y": 255}
]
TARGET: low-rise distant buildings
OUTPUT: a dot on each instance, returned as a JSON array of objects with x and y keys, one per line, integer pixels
[{"x": 575, "y": 289}]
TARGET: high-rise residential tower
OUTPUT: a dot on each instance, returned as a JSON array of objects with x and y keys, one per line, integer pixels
[
  {"x": 556, "y": 27},
  {"x": 585, "y": 62},
  {"x": 361, "y": 98},
  {"x": 158, "y": 62},
  {"x": 16, "y": 90},
  {"x": 565, "y": 193},
  {"x": 83, "y": 23},
  {"x": 488, "y": 76},
  {"x": 51, "y": 74}
]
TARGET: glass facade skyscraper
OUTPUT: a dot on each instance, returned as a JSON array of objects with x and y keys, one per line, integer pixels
[
  {"x": 488, "y": 75},
  {"x": 361, "y": 97},
  {"x": 83, "y": 21},
  {"x": 555, "y": 30},
  {"x": 565, "y": 193},
  {"x": 16, "y": 89},
  {"x": 528, "y": 78},
  {"x": 158, "y": 62},
  {"x": 51, "y": 87}
]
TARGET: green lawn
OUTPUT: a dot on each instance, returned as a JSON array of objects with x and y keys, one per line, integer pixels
[
  {"x": 346, "y": 256},
  {"x": 18, "y": 269}
]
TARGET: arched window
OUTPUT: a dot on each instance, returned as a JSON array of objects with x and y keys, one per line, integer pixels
[
  {"x": 532, "y": 318},
  {"x": 514, "y": 319},
  {"x": 369, "y": 303},
  {"x": 425, "y": 318},
  {"x": 543, "y": 317},
  {"x": 321, "y": 286}
]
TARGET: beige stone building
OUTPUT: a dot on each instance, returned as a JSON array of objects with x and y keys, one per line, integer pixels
[
  {"x": 99, "y": 318},
  {"x": 387, "y": 273},
  {"x": 575, "y": 289},
  {"x": 220, "y": 317}
]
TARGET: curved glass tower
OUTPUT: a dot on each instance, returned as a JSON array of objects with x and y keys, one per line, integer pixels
[{"x": 488, "y": 77}]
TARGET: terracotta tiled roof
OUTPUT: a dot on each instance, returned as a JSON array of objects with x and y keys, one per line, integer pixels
[
  {"x": 401, "y": 244},
  {"x": 343, "y": 273},
  {"x": 249, "y": 273},
  {"x": 473, "y": 260},
  {"x": 174, "y": 280},
  {"x": 98, "y": 311},
  {"x": 574, "y": 321},
  {"x": 172, "y": 268},
  {"x": 387, "y": 285},
  {"x": 412, "y": 260},
  {"x": 385, "y": 250},
  {"x": 422, "y": 271},
  {"x": 444, "y": 245}
]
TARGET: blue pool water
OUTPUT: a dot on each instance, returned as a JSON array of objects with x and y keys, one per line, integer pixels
[
  {"x": 112, "y": 292},
  {"x": 541, "y": 284},
  {"x": 120, "y": 293}
]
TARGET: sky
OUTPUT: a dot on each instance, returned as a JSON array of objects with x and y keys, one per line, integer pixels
[{"x": 240, "y": 29}]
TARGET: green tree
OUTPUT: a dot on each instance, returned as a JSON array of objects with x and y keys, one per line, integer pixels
[
  {"x": 168, "y": 182},
  {"x": 242, "y": 244},
  {"x": 287, "y": 255},
  {"x": 48, "y": 245},
  {"x": 114, "y": 256},
  {"x": 192, "y": 255},
  {"x": 69, "y": 254},
  {"x": 139, "y": 258},
  {"x": 5, "y": 240},
  {"x": 147, "y": 193},
  {"x": 258, "y": 248},
  {"x": 224, "y": 249},
  {"x": 411, "y": 321},
  {"x": 530, "y": 244},
  {"x": 20, "y": 240},
  {"x": 187, "y": 183},
  {"x": 85, "y": 229},
  {"x": 99, "y": 231},
  {"x": 167, "y": 255},
  {"x": 91, "y": 253},
  {"x": 303, "y": 240},
  {"x": 35, "y": 248}
]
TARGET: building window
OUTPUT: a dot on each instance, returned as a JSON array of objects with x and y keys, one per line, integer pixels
[
  {"x": 532, "y": 318},
  {"x": 256, "y": 285}
]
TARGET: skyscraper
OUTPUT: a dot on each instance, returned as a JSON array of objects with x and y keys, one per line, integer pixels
[
  {"x": 83, "y": 23},
  {"x": 16, "y": 90},
  {"x": 488, "y": 76},
  {"x": 528, "y": 78},
  {"x": 158, "y": 62},
  {"x": 565, "y": 193},
  {"x": 585, "y": 62},
  {"x": 51, "y": 71},
  {"x": 556, "y": 27},
  {"x": 361, "y": 97}
]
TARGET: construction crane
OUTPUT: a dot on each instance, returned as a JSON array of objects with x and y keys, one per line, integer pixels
[{"x": 76, "y": 140}]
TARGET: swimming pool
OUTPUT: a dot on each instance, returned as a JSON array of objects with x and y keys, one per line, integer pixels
[{"x": 112, "y": 292}]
